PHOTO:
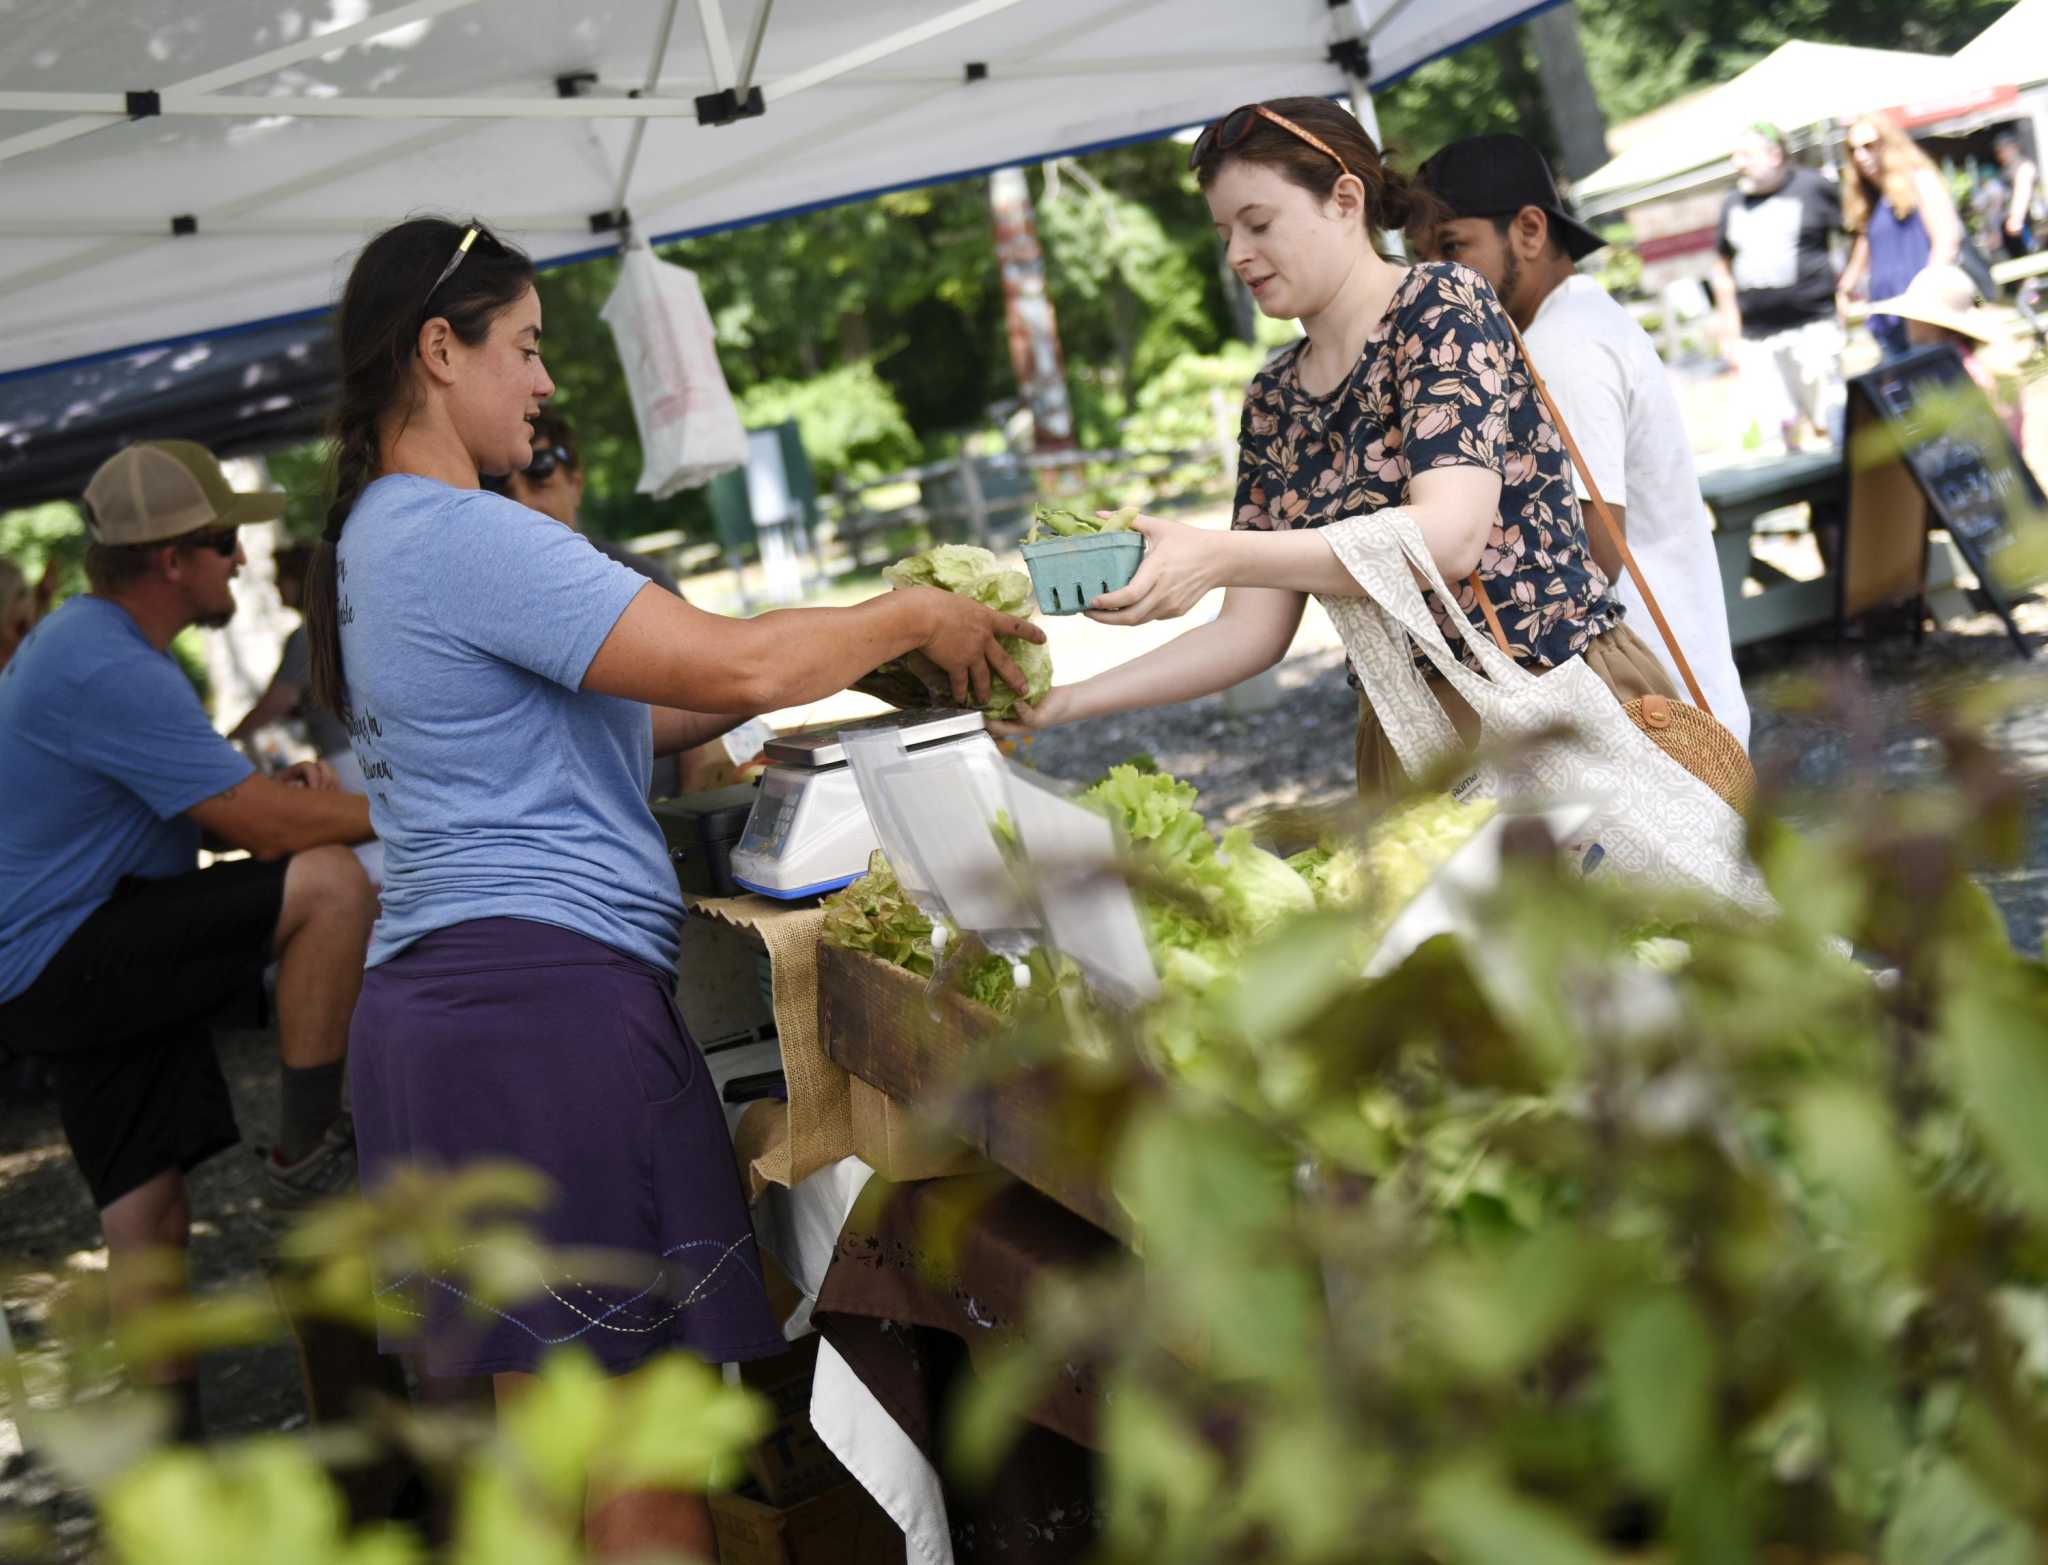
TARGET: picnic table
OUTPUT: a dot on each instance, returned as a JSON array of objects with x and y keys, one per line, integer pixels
[{"x": 1740, "y": 494}]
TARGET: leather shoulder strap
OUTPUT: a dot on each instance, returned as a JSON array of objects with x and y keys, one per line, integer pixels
[{"x": 1614, "y": 532}]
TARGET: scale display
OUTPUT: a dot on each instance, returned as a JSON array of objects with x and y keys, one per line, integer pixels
[
  {"x": 774, "y": 810},
  {"x": 810, "y": 831}
]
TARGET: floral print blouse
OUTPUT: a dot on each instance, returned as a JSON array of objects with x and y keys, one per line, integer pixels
[{"x": 1438, "y": 385}]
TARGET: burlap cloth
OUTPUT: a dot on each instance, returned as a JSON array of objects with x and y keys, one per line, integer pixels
[{"x": 820, "y": 1121}]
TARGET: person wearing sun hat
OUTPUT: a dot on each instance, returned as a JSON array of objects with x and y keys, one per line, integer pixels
[
  {"x": 1940, "y": 305},
  {"x": 115, "y": 947}
]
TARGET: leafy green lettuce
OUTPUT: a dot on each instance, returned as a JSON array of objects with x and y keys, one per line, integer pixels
[
  {"x": 875, "y": 915},
  {"x": 1071, "y": 524},
  {"x": 914, "y": 681}
]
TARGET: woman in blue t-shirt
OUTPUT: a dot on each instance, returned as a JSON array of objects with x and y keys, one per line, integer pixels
[
  {"x": 1405, "y": 390},
  {"x": 496, "y": 673}
]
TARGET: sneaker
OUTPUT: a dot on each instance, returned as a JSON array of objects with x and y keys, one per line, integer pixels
[{"x": 328, "y": 1170}]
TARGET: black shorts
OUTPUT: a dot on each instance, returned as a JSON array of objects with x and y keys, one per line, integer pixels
[{"x": 122, "y": 1012}]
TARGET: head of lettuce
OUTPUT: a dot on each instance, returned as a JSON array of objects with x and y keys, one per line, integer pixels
[{"x": 913, "y": 681}]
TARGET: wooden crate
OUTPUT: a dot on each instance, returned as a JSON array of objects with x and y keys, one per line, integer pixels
[{"x": 877, "y": 1023}]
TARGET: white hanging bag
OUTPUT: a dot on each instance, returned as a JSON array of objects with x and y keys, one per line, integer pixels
[{"x": 690, "y": 428}]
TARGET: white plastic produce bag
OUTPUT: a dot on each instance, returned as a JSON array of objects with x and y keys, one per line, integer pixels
[{"x": 690, "y": 429}]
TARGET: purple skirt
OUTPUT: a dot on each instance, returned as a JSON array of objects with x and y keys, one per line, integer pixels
[{"x": 504, "y": 1039}]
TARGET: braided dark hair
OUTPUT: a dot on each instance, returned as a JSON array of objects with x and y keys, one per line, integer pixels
[{"x": 396, "y": 286}]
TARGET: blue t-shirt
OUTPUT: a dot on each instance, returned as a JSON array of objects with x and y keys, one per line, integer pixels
[
  {"x": 498, "y": 788},
  {"x": 103, "y": 748}
]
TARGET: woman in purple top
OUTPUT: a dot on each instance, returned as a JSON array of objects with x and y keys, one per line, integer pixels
[
  {"x": 1895, "y": 204},
  {"x": 505, "y": 688}
]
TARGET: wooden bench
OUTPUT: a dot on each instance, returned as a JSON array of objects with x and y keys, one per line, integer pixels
[{"x": 1739, "y": 495}]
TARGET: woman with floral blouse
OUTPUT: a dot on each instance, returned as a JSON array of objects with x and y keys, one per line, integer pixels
[{"x": 1406, "y": 390}]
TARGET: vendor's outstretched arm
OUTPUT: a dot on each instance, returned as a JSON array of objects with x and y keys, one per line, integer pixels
[
  {"x": 677, "y": 730},
  {"x": 1456, "y": 509},
  {"x": 667, "y": 653},
  {"x": 1250, "y": 635}
]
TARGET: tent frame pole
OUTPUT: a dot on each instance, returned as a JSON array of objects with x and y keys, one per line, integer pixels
[
  {"x": 234, "y": 75},
  {"x": 717, "y": 46},
  {"x": 662, "y": 35},
  {"x": 752, "y": 57},
  {"x": 867, "y": 54}
]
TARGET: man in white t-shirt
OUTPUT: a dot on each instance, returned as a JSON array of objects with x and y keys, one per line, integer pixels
[{"x": 1509, "y": 225}]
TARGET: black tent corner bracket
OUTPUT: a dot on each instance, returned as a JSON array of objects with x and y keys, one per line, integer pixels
[
  {"x": 726, "y": 108},
  {"x": 183, "y": 224},
  {"x": 1354, "y": 55},
  {"x": 145, "y": 105}
]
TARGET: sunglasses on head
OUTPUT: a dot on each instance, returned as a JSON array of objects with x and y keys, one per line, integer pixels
[
  {"x": 545, "y": 460},
  {"x": 222, "y": 541},
  {"x": 1231, "y": 130},
  {"x": 448, "y": 271}
]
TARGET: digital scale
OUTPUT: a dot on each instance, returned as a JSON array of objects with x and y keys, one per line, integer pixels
[{"x": 809, "y": 831}]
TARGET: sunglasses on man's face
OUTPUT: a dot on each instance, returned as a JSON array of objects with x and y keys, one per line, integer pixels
[
  {"x": 545, "y": 460},
  {"x": 222, "y": 541}
]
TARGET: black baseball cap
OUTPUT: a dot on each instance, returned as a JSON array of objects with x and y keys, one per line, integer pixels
[{"x": 1498, "y": 175}]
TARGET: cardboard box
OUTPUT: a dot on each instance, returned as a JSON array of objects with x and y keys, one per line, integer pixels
[
  {"x": 898, "y": 1145},
  {"x": 842, "y": 1526},
  {"x": 791, "y": 1463}
]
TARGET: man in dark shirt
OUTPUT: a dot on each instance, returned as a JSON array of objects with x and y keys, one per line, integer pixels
[{"x": 1774, "y": 283}]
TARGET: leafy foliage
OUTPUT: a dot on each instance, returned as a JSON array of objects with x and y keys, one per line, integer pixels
[
  {"x": 1641, "y": 54},
  {"x": 1624, "y": 1230},
  {"x": 519, "y": 1483},
  {"x": 851, "y": 422}
]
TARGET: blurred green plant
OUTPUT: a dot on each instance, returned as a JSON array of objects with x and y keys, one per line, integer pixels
[
  {"x": 1623, "y": 1230},
  {"x": 851, "y": 422},
  {"x": 1621, "y": 264},
  {"x": 517, "y": 1485}
]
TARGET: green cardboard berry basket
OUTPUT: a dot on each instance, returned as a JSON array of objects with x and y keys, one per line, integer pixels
[{"x": 1067, "y": 572}]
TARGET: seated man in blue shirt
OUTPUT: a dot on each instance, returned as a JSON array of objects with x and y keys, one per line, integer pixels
[{"x": 115, "y": 947}]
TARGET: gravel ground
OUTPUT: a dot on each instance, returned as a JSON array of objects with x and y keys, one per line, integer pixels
[
  {"x": 50, "y": 1237},
  {"x": 1296, "y": 753}
]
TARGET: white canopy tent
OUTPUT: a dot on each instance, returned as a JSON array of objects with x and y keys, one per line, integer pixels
[
  {"x": 176, "y": 167},
  {"x": 1797, "y": 87},
  {"x": 2014, "y": 48}
]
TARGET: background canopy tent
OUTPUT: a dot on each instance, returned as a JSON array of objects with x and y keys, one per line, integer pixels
[
  {"x": 170, "y": 167},
  {"x": 238, "y": 392},
  {"x": 1796, "y": 87},
  {"x": 2014, "y": 48}
]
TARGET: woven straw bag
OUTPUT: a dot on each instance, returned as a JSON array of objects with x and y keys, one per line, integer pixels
[{"x": 1691, "y": 735}]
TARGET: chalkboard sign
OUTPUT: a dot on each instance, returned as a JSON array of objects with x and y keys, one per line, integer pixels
[{"x": 1923, "y": 413}]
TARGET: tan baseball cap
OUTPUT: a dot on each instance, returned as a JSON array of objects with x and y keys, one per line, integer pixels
[{"x": 159, "y": 490}]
